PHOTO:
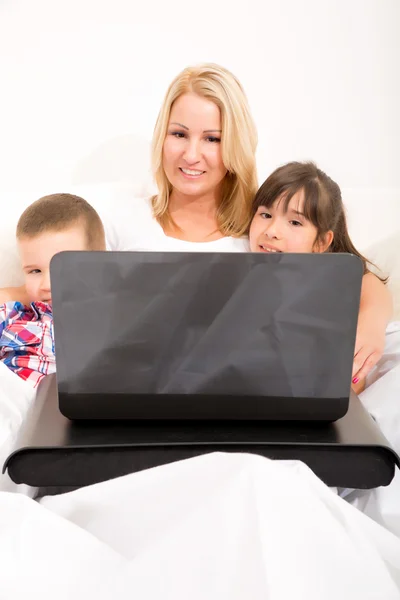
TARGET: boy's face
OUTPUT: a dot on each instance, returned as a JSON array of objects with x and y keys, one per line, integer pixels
[
  {"x": 36, "y": 254},
  {"x": 276, "y": 230}
]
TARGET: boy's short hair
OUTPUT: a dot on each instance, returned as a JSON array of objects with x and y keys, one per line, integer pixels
[{"x": 58, "y": 212}]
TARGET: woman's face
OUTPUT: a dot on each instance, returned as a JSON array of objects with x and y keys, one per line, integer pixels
[{"x": 192, "y": 158}]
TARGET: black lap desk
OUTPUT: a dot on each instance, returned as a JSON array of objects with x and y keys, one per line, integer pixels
[{"x": 60, "y": 454}]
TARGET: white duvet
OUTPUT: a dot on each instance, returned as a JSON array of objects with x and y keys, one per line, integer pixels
[
  {"x": 218, "y": 526},
  {"x": 17, "y": 408},
  {"x": 382, "y": 399}
]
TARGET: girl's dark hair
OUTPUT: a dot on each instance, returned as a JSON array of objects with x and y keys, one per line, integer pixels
[{"x": 323, "y": 205}]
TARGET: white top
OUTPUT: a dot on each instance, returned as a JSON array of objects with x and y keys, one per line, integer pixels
[{"x": 136, "y": 229}]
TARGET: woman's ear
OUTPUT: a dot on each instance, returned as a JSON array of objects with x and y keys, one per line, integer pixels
[{"x": 324, "y": 243}]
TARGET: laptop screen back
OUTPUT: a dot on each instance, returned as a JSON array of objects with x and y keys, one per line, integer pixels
[{"x": 164, "y": 333}]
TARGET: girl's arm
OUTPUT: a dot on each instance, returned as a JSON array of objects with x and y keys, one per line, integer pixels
[
  {"x": 14, "y": 294},
  {"x": 376, "y": 307}
]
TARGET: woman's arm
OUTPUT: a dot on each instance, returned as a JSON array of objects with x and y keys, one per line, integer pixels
[
  {"x": 376, "y": 298},
  {"x": 14, "y": 294},
  {"x": 376, "y": 308}
]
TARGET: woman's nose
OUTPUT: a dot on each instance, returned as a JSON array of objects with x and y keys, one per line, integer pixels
[{"x": 192, "y": 152}]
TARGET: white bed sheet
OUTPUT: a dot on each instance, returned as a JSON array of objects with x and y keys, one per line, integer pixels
[
  {"x": 382, "y": 399},
  {"x": 219, "y": 526},
  {"x": 18, "y": 412}
]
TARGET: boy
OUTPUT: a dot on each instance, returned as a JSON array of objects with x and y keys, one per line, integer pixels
[{"x": 50, "y": 225}]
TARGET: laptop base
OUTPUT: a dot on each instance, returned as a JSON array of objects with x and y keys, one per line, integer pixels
[{"x": 60, "y": 455}]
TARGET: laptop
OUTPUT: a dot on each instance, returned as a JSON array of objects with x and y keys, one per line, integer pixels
[{"x": 204, "y": 336}]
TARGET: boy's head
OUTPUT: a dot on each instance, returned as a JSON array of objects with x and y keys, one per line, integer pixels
[
  {"x": 298, "y": 209},
  {"x": 50, "y": 225}
]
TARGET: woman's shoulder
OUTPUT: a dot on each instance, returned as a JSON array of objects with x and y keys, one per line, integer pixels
[
  {"x": 236, "y": 244},
  {"x": 127, "y": 223}
]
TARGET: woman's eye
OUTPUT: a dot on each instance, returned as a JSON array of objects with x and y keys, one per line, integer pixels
[
  {"x": 296, "y": 223},
  {"x": 265, "y": 215},
  {"x": 34, "y": 271},
  {"x": 178, "y": 134},
  {"x": 213, "y": 139}
]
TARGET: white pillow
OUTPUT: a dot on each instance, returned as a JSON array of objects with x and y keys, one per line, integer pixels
[
  {"x": 10, "y": 270},
  {"x": 386, "y": 256}
]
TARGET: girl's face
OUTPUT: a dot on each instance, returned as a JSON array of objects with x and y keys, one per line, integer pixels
[
  {"x": 192, "y": 157},
  {"x": 276, "y": 230}
]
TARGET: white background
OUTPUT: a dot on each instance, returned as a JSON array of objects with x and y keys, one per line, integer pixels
[{"x": 81, "y": 82}]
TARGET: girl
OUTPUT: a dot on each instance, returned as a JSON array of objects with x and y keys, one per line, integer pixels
[{"x": 300, "y": 209}]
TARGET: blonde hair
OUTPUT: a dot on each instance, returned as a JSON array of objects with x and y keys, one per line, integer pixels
[
  {"x": 238, "y": 145},
  {"x": 58, "y": 212}
]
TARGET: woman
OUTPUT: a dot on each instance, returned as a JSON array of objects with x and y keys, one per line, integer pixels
[{"x": 203, "y": 157}]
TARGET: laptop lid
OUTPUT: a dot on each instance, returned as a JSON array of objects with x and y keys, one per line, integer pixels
[{"x": 151, "y": 335}]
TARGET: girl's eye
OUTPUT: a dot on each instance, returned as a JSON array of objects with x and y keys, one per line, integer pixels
[
  {"x": 265, "y": 215},
  {"x": 178, "y": 134},
  {"x": 34, "y": 271},
  {"x": 213, "y": 139},
  {"x": 296, "y": 223}
]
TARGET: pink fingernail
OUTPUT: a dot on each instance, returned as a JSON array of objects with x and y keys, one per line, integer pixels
[{"x": 356, "y": 380}]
